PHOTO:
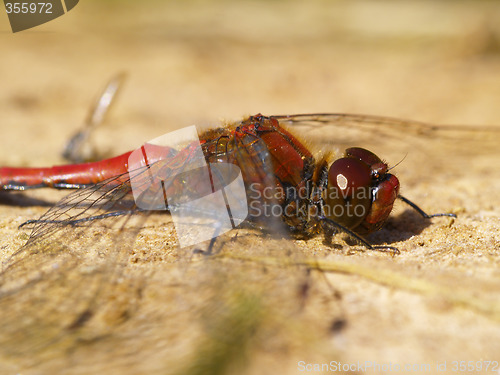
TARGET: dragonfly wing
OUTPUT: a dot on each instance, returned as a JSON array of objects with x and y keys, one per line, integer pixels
[
  {"x": 385, "y": 134},
  {"x": 68, "y": 280},
  {"x": 63, "y": 279}
]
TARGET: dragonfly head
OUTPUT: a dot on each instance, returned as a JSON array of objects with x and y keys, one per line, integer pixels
[{"x": 360, "y": 193}]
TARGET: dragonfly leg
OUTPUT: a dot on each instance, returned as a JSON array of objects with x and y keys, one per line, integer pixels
[
  {"x": 62, "y": 185},
  {"x": 330, "y": 227},
  {"x": 76, "y": 222},
  {"x": 210, "y": 248},
  {"x": 422, "y": 212}
]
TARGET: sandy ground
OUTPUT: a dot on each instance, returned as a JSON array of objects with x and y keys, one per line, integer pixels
[{"x": 97, "y": 302}]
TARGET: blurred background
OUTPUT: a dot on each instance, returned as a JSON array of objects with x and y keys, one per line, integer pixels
[
  {"x": 196, "y": 62},
  {"x": 202, "y": 62}
]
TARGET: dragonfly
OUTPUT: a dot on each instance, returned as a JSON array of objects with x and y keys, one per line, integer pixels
[
  {"x": 353, "y": 194},
  {"x": 315, "y": 194}
]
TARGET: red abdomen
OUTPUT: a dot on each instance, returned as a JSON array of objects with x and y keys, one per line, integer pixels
[{"x": 72, "y": 175}]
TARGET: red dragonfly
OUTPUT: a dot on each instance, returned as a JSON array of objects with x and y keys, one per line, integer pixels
[
  {"x": 354, "y": 194},
  {"x": 314, "y": 195}
]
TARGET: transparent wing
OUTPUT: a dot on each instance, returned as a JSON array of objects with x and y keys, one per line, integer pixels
[
  {"x": 68, "y": 280},
  {"x": 63, "y": 281},
  {"x": 379, "y": 132}
]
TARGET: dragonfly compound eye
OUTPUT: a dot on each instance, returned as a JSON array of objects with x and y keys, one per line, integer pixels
[
  {"x": 360, "y": 193},
  {"x": 378, "y": 167},
  {"x": 384, "y": 195},
  {"x": 363, "y": 154},
  {"x": 348, "y": 196}
]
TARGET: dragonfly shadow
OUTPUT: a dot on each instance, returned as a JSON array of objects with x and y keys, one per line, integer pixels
[
  {"x": 21, "y": 200},
  {"x": 400, "y": 228}
]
